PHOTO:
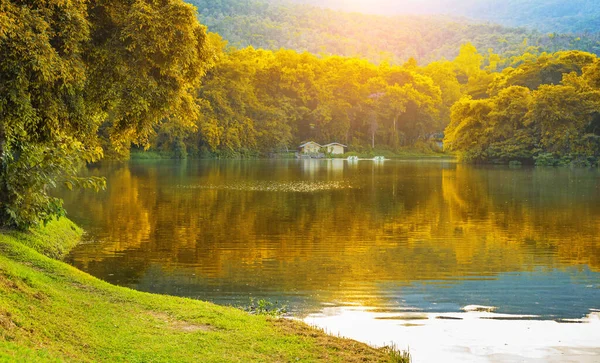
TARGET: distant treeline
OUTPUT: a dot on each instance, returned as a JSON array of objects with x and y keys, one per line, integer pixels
[
  {"x": 275, "y": 25},
  {"x": 541, "y": 108},
  {"x": 259, "y": 101}
]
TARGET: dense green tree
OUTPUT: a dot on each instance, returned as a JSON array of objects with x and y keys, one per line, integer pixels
[
  {"x": 444, "y": 76},
  {"x": 545, "y": 111},
  {"x": 68, "y": 67},
  {"x": 561, "y": 114},
  {"x": 466, "y": 133},
  {"x": 545, "y": 69},
  {"x": 43, "y": 116},
  {"x": 511, "y": 137},
  {"x": 146, "y": 60}
]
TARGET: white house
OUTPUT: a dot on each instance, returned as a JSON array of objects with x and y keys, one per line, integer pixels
[
  {"x": 335, "y": 148},
  {"x": 310, "y": 147}
]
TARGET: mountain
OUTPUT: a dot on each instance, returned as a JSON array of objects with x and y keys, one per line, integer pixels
[
  {"x": 276, "y": 24},
  {"x": 576, "y": 16}
]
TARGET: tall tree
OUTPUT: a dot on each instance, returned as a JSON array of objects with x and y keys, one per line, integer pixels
[
  {"x": 69, "y": 66},
  {"x": 43, "y": 115}
]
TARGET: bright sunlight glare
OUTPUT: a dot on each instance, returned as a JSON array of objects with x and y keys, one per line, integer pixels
[{"x": 391, "y": 7}]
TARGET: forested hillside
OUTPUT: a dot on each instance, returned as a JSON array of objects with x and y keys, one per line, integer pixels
[
  {"x": 538, "y": 108},
  {"x": 269, "y": 25},
  {"x": 554, "y": 16},
  {"x": 545, "y": 15}
]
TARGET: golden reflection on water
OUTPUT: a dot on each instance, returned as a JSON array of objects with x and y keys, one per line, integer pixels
[{"x": 332, "y": 227}]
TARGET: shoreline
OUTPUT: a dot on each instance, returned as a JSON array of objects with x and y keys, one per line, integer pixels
[
  {"x": 405, "y": 155},
  {"x": 51, "y": 311}
]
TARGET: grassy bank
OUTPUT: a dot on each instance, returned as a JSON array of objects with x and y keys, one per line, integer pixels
[
  {"x": 50, "y": 311},
  {"x": 152, "y": 154}
]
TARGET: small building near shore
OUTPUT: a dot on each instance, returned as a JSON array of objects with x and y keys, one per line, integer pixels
[
  {"x": 310, "y": 147},
  {"x": 335, "y": 148},
  {"x": 438, "y": 140}
]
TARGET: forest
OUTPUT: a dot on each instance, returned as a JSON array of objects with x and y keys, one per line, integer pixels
[
  {"x": 575, "y": 16},
  {"x": 545, "y": 111},
  {"x": 279, "y": 24},
  {"x": 541, "y": 109},
  {"x": 104, "y": 76}
]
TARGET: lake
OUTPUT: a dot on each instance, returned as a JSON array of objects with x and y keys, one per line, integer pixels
[{"x": 394, "y": 251}]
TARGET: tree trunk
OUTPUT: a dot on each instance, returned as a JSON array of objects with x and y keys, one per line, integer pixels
[
  {"x": 3, "y": 187},
  {"x": 2, "y": 139},
  {"x": 395, "y": 135}
]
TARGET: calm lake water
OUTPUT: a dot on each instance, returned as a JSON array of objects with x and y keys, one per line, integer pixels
[{"x": 407, "y": 240}]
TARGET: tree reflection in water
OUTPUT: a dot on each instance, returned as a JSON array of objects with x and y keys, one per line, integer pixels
[{"x": 321, "y": 231}]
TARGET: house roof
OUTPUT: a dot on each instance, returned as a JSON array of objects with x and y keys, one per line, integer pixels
[
  {"x": 310, "y": 142},
  {"x": 316, "y": 143}
]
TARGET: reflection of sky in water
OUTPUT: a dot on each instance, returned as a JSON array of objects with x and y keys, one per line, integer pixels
[
  {"x": 468, "y": 337},
  {"x": 554, "y": 294},
  {"x": 549, "y": 294}
]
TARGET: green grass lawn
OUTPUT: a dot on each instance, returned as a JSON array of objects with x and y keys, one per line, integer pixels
[{"x": 50, "y": 311}]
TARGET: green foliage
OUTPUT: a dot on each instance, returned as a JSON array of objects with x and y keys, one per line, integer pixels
[
  {"x": 29, "y": 170},
  {"x": 85, "y": 79},
  {"x": 137, "y": 154},
  {"x": 148, "y": 59},
  {"x": 265, "y": 307},
  {"x": 268, "y": 102},
  {"x": 396, "y": 355},
  {"x": 550, "y": 117},
  {"x": 43, "y": 115},
  {"x": 548, "y": 159},
  {"x": 546, "y": 69},
  {"x": 79, "y": 76},
  {"x": 258, "y": 101}
]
